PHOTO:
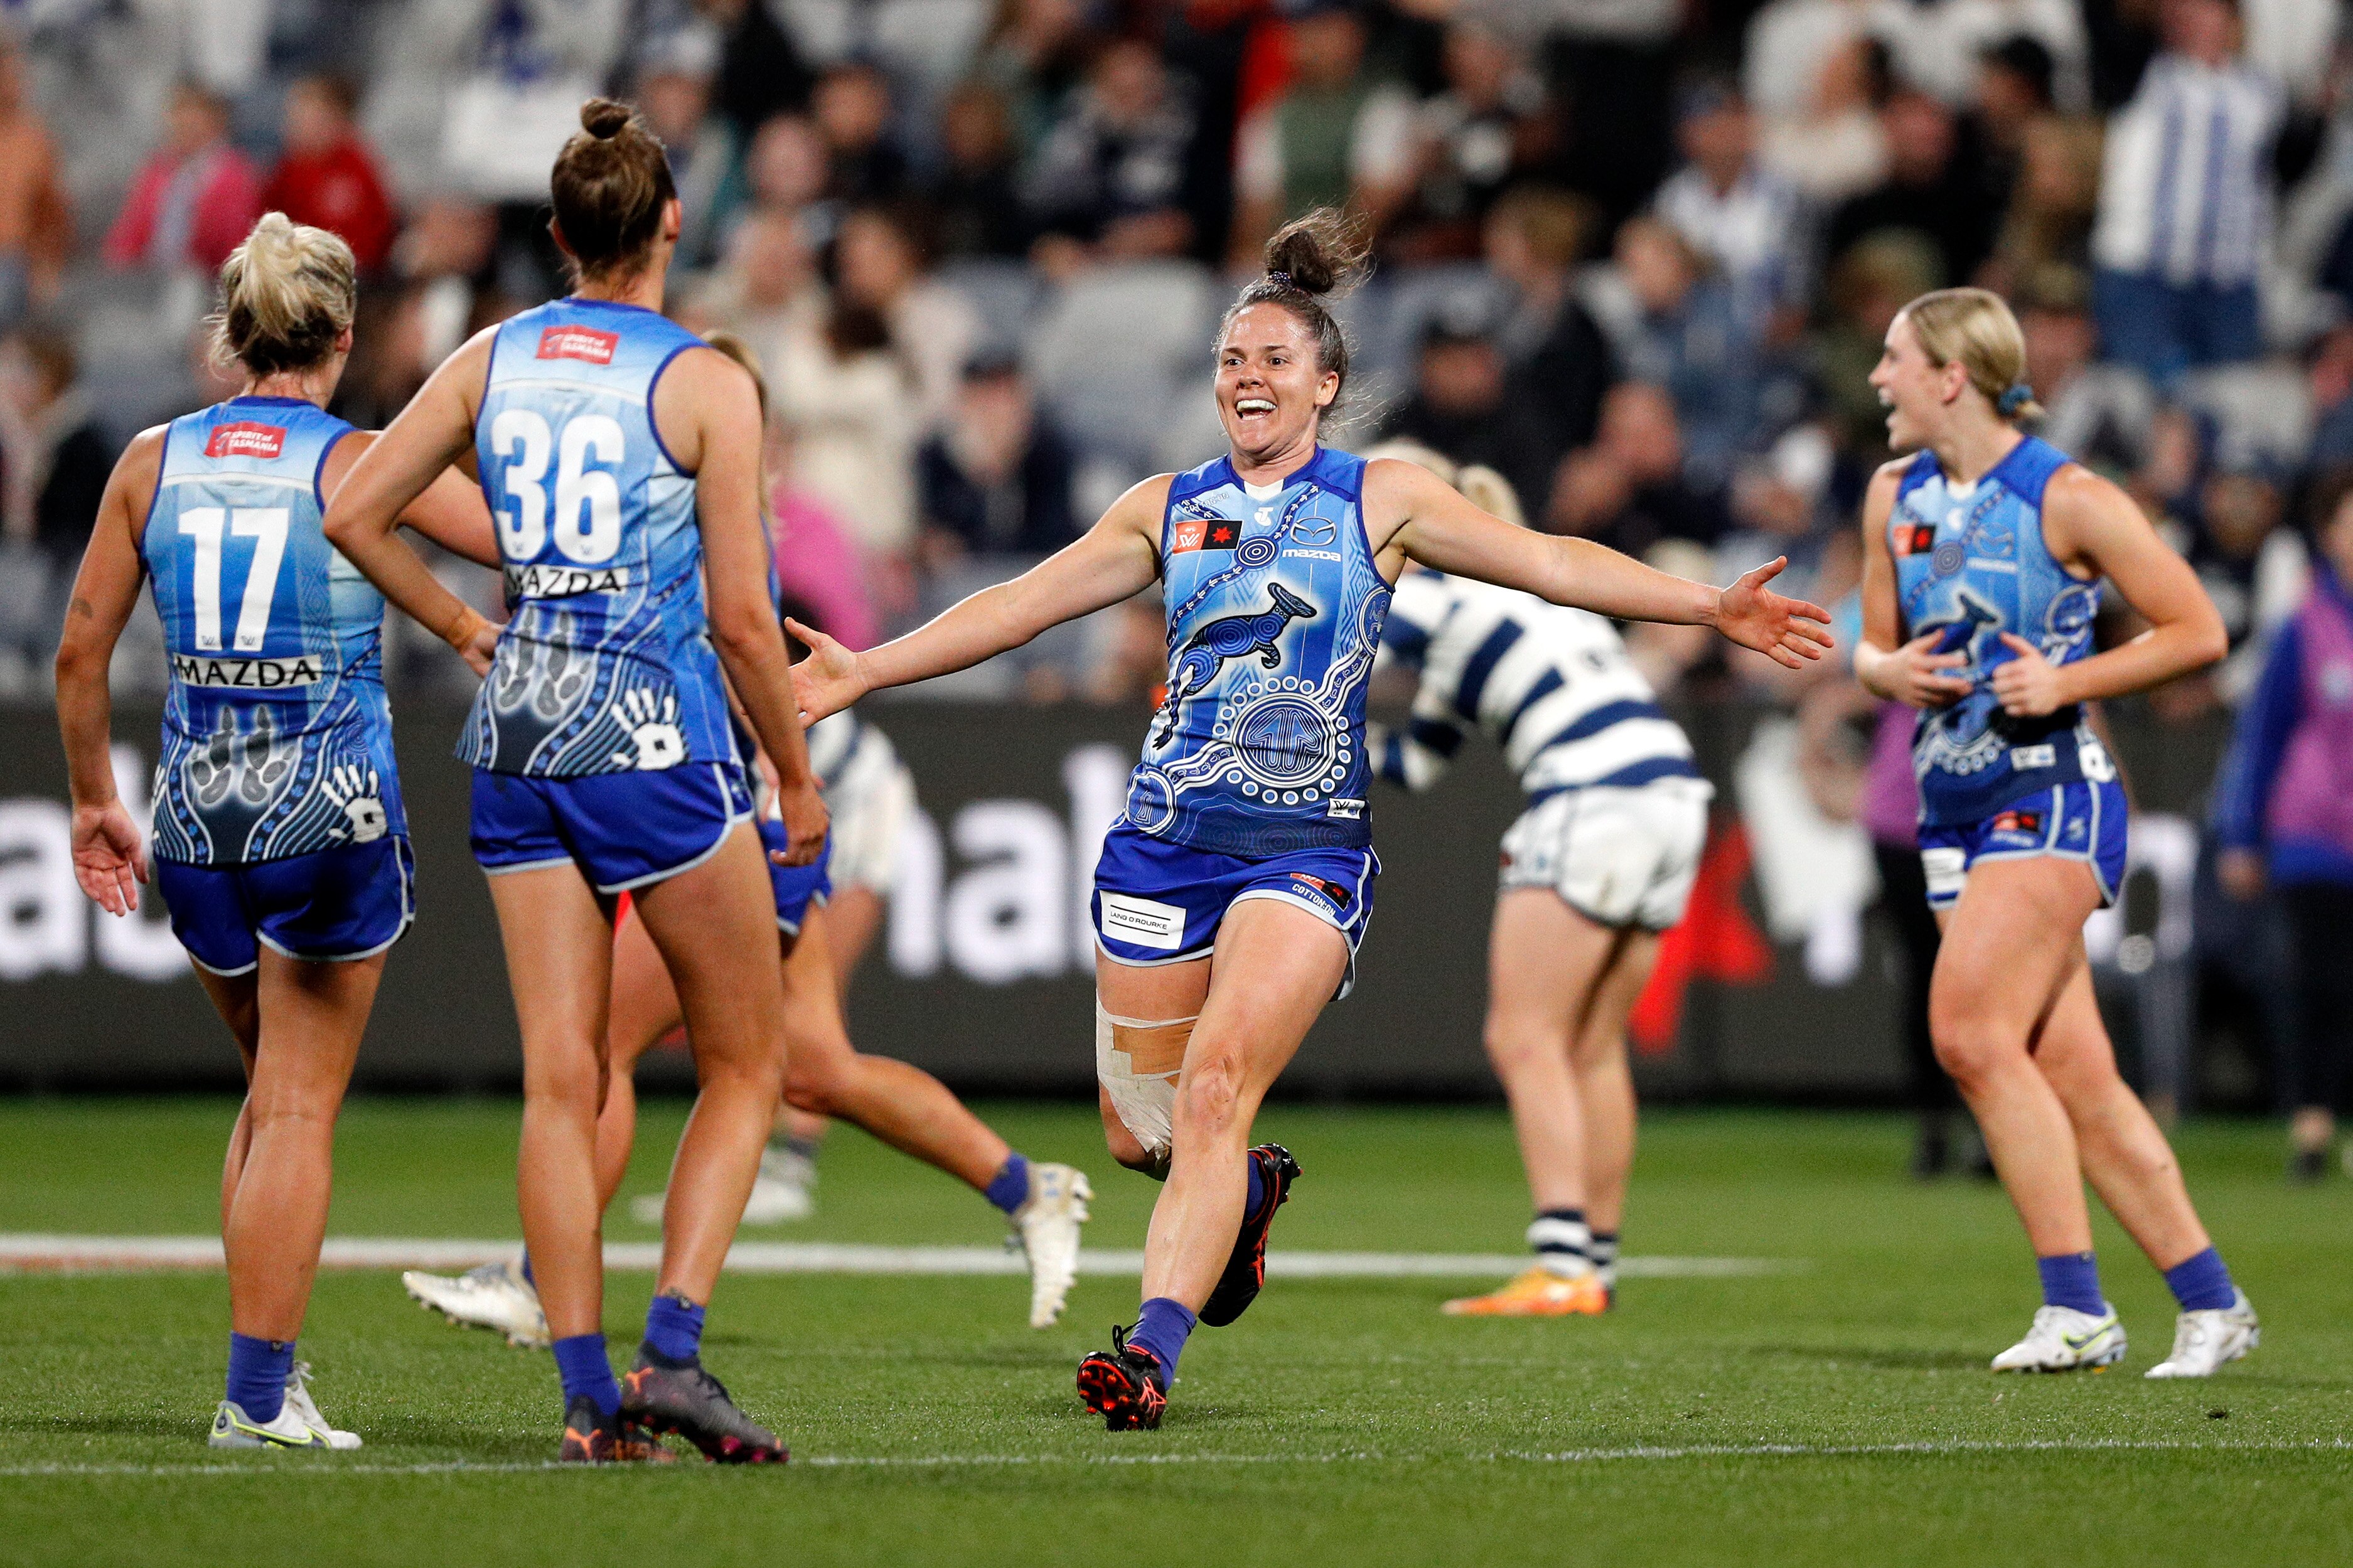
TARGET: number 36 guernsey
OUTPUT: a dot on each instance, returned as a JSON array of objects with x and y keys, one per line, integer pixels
[{"x": 606, "y": 664}]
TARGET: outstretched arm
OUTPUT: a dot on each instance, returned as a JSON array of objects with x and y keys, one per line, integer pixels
[
  {"x": 1117, "y": 559},
  {"x": 1438, "y": 527},
  {"x": 110, "y": 853},
  {"x": 433, "y": 432}
]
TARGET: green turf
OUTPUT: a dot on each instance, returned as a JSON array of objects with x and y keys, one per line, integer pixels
[{"x": 1343, "y": 1421}]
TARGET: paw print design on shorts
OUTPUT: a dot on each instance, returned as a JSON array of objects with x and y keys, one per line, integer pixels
[
  {"x": 266, "y": 762},
  {"x": 652, "y": 718},
  {"x": 211, "y": 768},
  {"x": 359, "y": 792}
]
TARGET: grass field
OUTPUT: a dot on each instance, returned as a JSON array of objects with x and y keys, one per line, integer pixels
[{"x": 1837, "y": 1411}]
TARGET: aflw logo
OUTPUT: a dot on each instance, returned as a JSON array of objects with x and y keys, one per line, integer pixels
[
  {"x": 245, "y": 439},
  {"x": 578, "y": 343}
]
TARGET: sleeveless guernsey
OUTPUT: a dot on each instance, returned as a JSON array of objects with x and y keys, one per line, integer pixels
[
  {"x": 277, "y": 737},
  {"x": 1274, "y": 617},
  {"x": 1972, "y": 564},
  {"x": 606, "y": 665}
]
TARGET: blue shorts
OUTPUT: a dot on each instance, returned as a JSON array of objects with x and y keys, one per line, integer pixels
[
  {"x": 623, "y": 830},
  {"x": 1157, "y": 902},
  {"x": 798, "y": 887},
  {"x": 351, "y": 901},
  {"x": 2082, "y": 821}
]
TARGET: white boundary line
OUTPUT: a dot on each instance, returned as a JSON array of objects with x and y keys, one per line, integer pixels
[
  {"x": 23, "y": 1253},
  {"x": 328, "y": 1467}
]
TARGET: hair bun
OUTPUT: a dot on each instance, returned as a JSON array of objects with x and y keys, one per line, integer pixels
[
  {"x": 603, "y": 118},
  {"x": 1322, "y": 253}
]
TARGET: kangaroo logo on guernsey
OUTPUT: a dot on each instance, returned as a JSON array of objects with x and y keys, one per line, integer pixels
[
  {"x": 578, "y": 343},
  {"x": 1234, "y": 637},
  {"x": 245, "y": 438}
]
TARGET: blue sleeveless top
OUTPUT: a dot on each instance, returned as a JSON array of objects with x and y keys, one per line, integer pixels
[
  {"x": 1275, "y": 616},
  {"x": 1972, "y": 565},
  {"x": 277, "y": 737},
  {"x": 606, "y": 664}
]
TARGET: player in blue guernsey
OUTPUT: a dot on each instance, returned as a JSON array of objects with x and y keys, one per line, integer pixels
[
  {"x": 1984, "y": 555},
  {"x": 620, "y": 456},
  {"x": 279, "y": 847},
  {"x": 1230, "y": 896}
]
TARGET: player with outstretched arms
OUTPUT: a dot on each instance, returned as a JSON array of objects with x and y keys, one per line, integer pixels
[
  {"x": 1230, "y": 897},
  {"x": 1984, "y": 555},
  {"x": 279, "y": 845},
  {"x": 621, "y": 458}
]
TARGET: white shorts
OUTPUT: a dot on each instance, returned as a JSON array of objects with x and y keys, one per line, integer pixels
[
  {"x": 871, "y": 803},
  {"x": 1619, "y": 856}
]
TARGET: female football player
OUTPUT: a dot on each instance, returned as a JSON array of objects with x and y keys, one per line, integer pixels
[
  {"x": 621, "y": 458},
  {"x": 1985, "y": 551},
  {"x": 1600, "y": 862},
  {"x": 1230, "y": 896},
  {"x": 279, "y": 845}
]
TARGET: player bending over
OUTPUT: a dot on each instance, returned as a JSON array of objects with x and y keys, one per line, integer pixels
[
  {"x": 1600, "y": 862},
  {"x": 279, "y": 845},
  {"x": 1984, "y": 555},
  {"x": 1230, "y": 896}
]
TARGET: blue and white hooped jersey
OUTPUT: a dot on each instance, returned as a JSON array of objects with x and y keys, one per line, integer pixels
[
  {"x": 1274, "y": 617},
  {"x": 1970, "y": 564},
  {"x": 277, "y": 737},
  {"x": 606, "y": 665},
  {"x": 1552, "y": 685}
]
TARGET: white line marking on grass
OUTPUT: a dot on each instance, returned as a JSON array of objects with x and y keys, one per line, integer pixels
[
  {"x": 327, "y": 1466},
  {"x": 33, "y": 1253}
]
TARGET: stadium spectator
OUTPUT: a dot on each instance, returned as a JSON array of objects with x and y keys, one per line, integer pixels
[
  {"x": 674, "y": 89},
  {"x": 996, "y": 478},
  {"x": 1336, "y": 136},
  {"x": 1613, "y": 69},
  {"x": 2251, "y": 568},
  {"x": 2186, "y": 201},
  {"x": 53, "y": 457},
  {"x": 1461, "y": 404},
  {"x": 2330, "y": 377},
  {"x": 879, "y": 266},
  {"x": 761, "y": 71},
  {"x": 1036, "y": 56},
  {"x": 1831, "y": 146},
  {"x": 326, "y": 176},
  {"x": 1560, "y": 363},
  {"x": 976, "y": 201},
  {"x": 847, "y": 394},
  {"x": 1792, "y": 43},
  {"x": 785, "y": 170},
  {"x": 1109, "y": 181},
  {"x": 196, "y": 197},
  {"x": 817, "y": 562},
  {"x": 1867, "y": 286},
  {"x": 2052, "y": 202},
  {"x": 1935, "y": 187},
  {"x": 1945, "y": 48},
  {"x": 1750, "y": 223},
  {"x": 36, "y": 220},
  {"x": 1472, "y": 140},
  {"x": 2097, "y": 413},
  {"x": 851, "y": 108},
  {"x": 1627, "y": 490}
]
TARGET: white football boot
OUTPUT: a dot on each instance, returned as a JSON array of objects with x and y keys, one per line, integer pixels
[
  {"x": 299, "y": 1400},
  {"x": 2204, "y": 1340},
  {"x": 233, "y": 1428},
  {"x": 495, "y": 1296},
  {"x": 1046, "y": 1227},
  {"x": 2064, "y": 1340},
  {"x": 786, "y": 1188}
]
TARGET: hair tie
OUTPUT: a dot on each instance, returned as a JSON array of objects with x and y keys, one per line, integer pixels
[
  {"x": 2016, "y": 397},
  {"x": 1280, "y": 279}
]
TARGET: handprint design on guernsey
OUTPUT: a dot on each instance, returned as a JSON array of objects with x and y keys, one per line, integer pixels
[
  {"x": 359, "y": 791},
  {"x": 652, "y": 718}
]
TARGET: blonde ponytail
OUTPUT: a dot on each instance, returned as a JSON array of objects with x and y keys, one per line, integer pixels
[
  {"x": 1975, "y": 329},
  {"x": 287, "y": 296}
]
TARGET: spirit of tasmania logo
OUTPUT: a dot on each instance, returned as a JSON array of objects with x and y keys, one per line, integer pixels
[
  {"x": 578, "y": 343},
  {"x": 245, "y": 438}
]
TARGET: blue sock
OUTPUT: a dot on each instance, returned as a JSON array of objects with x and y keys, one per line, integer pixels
[
  {"x": 581, "y": 1361},
  {"x": 1161, "y": 1327},
  {"x": 258, "y": 1371},
  {"x": 674, "y": 1328},
  {"x": 1257, "y": 1190},
  {"x": 1010, "y": 1188},
  {"x": 526, "y": 1270},
  {"x": 2201, "y": 1284},
  {"x": 2073, "y": 1279}
]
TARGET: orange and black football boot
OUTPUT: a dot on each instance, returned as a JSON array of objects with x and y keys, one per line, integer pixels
[
  {"x": 1245, "y": 1273},
  {"x": 691, "y": 1402},
  {"x": 592, "y": 1437},
  {"x": 1125, "y": 1385}
]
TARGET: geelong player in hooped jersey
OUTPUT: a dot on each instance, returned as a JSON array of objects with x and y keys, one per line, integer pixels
[
  {"x": 1984, "y": 553},
  {"x": 280, "y": 847},
  {"x": 620, "y": 456},
  {"x": 1230, "y": 896}
]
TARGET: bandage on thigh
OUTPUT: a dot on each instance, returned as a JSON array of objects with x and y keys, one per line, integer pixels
[{"x": 1137, "y": 1061}]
